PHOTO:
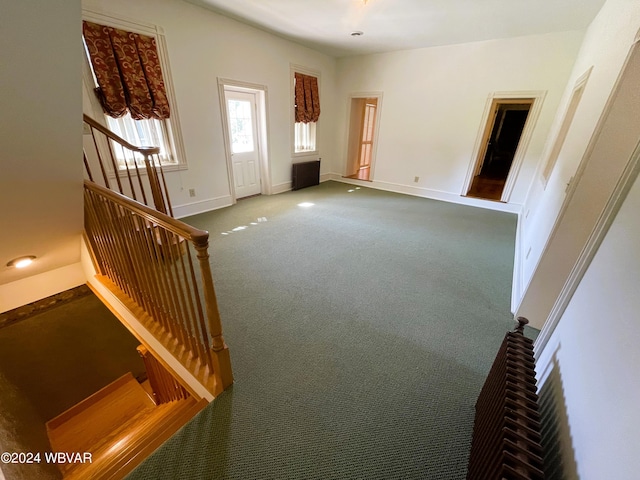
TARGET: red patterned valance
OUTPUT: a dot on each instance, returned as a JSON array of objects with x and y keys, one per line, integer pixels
[
  {"x": 128, "y": 72},
  {"x": 307, "y": 98}
]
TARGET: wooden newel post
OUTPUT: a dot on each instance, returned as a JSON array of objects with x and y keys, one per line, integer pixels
[{"x": 219, "y": 351}]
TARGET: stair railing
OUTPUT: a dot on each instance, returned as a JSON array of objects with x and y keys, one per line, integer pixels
[
  {"x": 114, "y": 157},
  {"x": 160, "y": 265},
  {"x": 164, "y": 385}
]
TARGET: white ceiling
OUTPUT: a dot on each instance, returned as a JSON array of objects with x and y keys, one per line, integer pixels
[{"x": 388, "y": 25}]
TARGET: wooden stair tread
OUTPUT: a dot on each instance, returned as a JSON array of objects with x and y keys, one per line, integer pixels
[
  {"x": 89, "y": 422},
  {"x": 136, "y": 440}
]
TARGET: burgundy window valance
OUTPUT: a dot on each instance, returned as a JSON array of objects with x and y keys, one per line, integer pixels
[
  {"x": 307, "y": 98},
  {"x": 128, "y": 72}
]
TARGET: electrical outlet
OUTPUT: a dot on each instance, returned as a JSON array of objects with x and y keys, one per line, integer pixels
[
  {"x": 192, "y": 192},
  {"x": 416, "y": 179}
]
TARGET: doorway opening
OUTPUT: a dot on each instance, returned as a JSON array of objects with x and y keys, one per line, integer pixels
[
  {"x": 500, "y": 143},
  {"x": 362, "y": 134},
  {"x": 244, "y": 125}
]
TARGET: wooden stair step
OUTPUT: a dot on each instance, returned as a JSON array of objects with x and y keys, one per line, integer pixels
[
  {"x": 89, "y": 422},
  {"x": 140, "y": 437}
]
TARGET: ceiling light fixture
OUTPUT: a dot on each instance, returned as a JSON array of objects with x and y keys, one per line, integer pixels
[
  {"x": 22, "y": 262},
  {"x": 357, "y": 33}
]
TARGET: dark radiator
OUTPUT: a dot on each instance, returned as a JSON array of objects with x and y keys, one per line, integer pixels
[
  {"x": 506, "y": 432},
  {"x": 305, "y": 174}
]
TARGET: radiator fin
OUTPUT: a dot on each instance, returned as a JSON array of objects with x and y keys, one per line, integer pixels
[{"x": 506, "y": 432}]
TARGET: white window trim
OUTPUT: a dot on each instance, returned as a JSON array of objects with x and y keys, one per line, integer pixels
[
  {"x": 293, "y": 69},
  {"x": 175, "y": 140},
  {"x": 553, "y": 149}
]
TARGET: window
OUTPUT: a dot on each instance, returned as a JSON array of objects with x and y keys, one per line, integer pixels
[
  {"x": 305, "y": 137},
  {"x": 142, "y": 121},
  {"x": 307, "y": 112},
  {"x": 142, "y": 133}
]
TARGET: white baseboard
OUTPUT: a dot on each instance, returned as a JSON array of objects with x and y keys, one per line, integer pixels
[
  {"x": 34, "y": 288},
  {"x": 429, "y": 193},
  {"x": 286, "y": 186},
  {"x": 326, "y": 176},
  {"x": 202, "y": 206},
  {"x": 280, "y": 188}
]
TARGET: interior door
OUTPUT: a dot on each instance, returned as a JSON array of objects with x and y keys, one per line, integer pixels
[
  {"x": 505, "y": 136},
  {"x": 245, "y": 155},
  {"x": 362, "y": 130}
]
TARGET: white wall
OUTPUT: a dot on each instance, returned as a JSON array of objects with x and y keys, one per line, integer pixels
[
  {"x": 554, "y": 248},
  {"x": 41, "y": 155},
  {"x": 203, "y": 46},
  {"x": 434, "y": 99},
  {"x": 597, "y": 341}
]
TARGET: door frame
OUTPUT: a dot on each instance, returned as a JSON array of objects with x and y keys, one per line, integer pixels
[
  {"x": 484, "y": 132},
  {"x": 262, "y": 134},
  {"x": 376, "y": 130}
]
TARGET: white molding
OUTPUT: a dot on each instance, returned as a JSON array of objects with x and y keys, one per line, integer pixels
[
  {"x": 201, "y": 206},
  {"x": 523, "y": 144},
  {"x": 324, "y": 177},
  {"x": 624, "y": 184},
  {"x": 553, "y": 148},
  {"x": 538, "y": 97},
  {"x": 430, "y": 193},
  {"x": 121, "y": 22},
  {"x": 518, "y": 266},
  {"x": 280, "y": 188}
]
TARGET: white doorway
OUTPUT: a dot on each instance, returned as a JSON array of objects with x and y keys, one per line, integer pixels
[
  {"x": 363, "y": 129},
  {"x": 244, "y": 120}
]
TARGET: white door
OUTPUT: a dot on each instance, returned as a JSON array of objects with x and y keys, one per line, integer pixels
[{"x": 245, "y": 156}]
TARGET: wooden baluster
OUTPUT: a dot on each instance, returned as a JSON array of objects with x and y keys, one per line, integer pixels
[
  {"x": 86, "y": 165},
  {"x": 126, "y": 166},
  {"x": 156, "y": 191},
  {"x": 144, "y": 193},
  {"x": 164, "y": 184},
  {"x": 116, "y": 170},
  {"x": 200, "y": 326},
  {"x": 102, "y": 169},
  {"x": 164, "y": 385},
  {"x": 141, "y": 251}
]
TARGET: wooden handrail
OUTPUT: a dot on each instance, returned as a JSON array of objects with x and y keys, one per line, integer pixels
[
  {"x": 197, "y": 236},
  {"x": 127, "y": 162},
  {"x": 104, "y": 130}
]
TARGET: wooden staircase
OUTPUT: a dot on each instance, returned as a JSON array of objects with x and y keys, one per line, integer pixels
[{"x": 114, "y": 429}]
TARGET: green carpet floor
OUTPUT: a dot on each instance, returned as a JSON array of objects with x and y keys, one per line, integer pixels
[{"x": 361, "y": 330}]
